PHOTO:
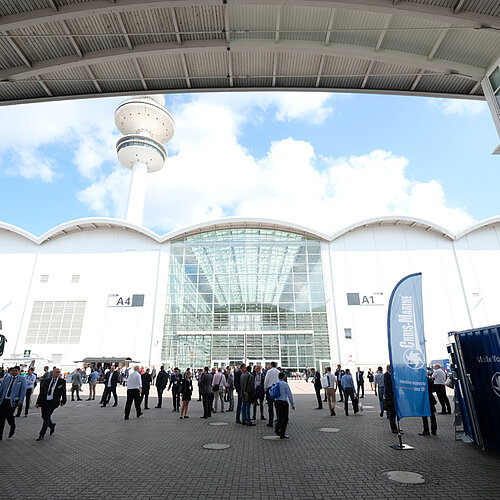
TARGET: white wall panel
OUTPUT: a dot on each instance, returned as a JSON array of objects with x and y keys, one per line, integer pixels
[
  {"x": 108, "y": 262},
  {"x": 17, "y": 259},
  {"x": 478, "y": 254},
  {"x": 370, "y": 261}
]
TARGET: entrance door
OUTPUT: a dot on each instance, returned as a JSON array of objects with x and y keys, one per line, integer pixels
[
  {"x": 220, "y": 363},
  {"x": 255, "y": 362}
]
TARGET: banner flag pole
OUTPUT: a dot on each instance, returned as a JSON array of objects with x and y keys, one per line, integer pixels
[{"x": 405, "y": 332}]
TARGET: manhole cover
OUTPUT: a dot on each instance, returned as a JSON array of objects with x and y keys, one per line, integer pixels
[
  {"x": 216, "y": 446},
  {"x": 402, "y": 476},
  {"x": 218, "y": 423},
  {"x": 271, "y": 438},
  {"x": 329, "y": 429}
]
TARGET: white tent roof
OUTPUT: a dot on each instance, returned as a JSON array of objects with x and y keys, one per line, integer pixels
[{"x": 54, "y": 49}]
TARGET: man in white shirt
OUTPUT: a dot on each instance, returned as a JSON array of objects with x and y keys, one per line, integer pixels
[
  {"x": 331, "y": 388},
  {"x": 272, "y": 376},
  {"x": 134, "y": 390},
  {"x": 439, "y": 378},
  {"x": 219, "y": 383}
]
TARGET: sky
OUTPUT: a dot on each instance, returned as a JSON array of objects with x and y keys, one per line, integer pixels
[{"x": 320, "y": 160}]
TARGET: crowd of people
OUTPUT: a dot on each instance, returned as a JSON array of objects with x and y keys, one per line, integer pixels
[{"x": 256, "y": 387}]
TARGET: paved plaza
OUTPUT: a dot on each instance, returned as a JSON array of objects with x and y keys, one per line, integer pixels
[{"x": 94, "y": 453}]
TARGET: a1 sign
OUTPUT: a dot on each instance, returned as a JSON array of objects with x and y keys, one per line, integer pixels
[
  {"x": 359, "y": 299},
  {"x": 116, "y": 300}
]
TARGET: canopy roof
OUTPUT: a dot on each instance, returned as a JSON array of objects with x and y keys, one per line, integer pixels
[
  {"x": 52, "y": 49},
  {"x": 99, "y": 359}
]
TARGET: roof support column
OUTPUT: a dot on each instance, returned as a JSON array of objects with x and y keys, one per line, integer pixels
[{"x": 491, "y": 88}]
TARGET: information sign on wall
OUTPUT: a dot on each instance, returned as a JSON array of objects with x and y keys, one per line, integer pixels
[
  {"x": 365, "y": 299},
  {"x": 117, "y": 300}
]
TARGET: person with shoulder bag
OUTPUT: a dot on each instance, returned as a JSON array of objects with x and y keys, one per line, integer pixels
[
  {"x": 248, "y": 390},
  {"x": 218, "y": 385}
]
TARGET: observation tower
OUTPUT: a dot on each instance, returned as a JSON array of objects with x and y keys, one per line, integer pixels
[{"x": 145, "y": 125}]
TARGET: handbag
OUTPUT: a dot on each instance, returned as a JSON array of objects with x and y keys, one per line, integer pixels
[{"x": 215, "y": 387}]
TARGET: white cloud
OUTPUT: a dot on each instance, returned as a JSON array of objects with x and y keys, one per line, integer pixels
[
  {"x": 32, "y": 166},
  {"x": 310, "y": 107},
  {"x": 84, "y": 127},
  {"x": 460, "y": 107},
  {"x": 212, "y": 175}
]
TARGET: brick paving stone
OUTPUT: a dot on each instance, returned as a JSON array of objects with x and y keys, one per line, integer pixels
[{"x": 97, "y": 451}]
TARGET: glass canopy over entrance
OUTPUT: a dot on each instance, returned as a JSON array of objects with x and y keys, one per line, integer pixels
[{"x": 242, "y": 295}]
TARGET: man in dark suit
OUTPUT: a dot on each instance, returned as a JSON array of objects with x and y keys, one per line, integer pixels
[
  {"x": 146, "y": 384},
  {"x": 317, "y": 386},
  {"x": 175, "y": 384},
  {"x": 161, "y": 383},
  {"x": 360, "y": 381},
  {"x": 389, "y": 404},
  {"x": 339, "y": 373},
  {"x": 206, "y": 390},
  {"x": 110, "y": 382},
  {"x": 52, "y": 394}
]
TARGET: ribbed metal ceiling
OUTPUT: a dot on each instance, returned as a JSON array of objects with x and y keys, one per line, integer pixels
[{"x": 53, "y": 49}]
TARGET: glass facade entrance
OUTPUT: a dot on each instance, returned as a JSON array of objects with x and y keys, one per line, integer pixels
[{"x": 241, "y": 295}]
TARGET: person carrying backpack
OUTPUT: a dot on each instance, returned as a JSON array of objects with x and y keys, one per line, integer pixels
[{"x": 280, "y": 392}]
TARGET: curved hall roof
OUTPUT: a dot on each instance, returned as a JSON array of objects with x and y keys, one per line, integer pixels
[
  {"x": 90, "y": 224},
  {"x": 480, "y": 225},
  {"x": 59, "y": 49},
  {"x": 97, "y": 223},
  {"x": 396, "y": 220},
  {"x": 242, "y": 222}
]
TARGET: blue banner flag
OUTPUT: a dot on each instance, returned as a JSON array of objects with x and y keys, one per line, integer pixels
[
  {"x": 481, "y": 353},
  {"x": 405, "y": 329}
]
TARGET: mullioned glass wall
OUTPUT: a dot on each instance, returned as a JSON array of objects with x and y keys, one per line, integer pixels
[{"x": 245, "y": 295}]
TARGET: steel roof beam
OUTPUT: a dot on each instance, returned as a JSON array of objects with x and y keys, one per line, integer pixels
[
  {"x": 71, "y": 39},
  {"x": 363, "y": 52},
  {"x": 44, "y": 86},
  {"x": 458, "y": 6},
  {"x": 230, "y": 67},
  {"x": 96, "y": 7},
  {"x": 476, "y": 86},
  {"x": 417, "y": 79},
  {"x": 140, "y": 73},
  {"x": 278, "y": 21},
  {"x": 17, "y": 50},
  {"x": 124, "y": 30},
  {"x": 383, "y": 33},
  {"x": 437, "y": 43},
  {"x": 196, "y": 46},
  {"x": 368, "y": 71},
  {"x": 330, "y": 27},
  {"x": 186, "y": 72},
  {"x": 176, "y": 26},
  {"x": 103, "y": 56},
  {"x": 340, "y": 90},
  {"x": 275, "y": 67},
  {"x": 91, "y": 75},
  {"x": 320, "y": 70}
]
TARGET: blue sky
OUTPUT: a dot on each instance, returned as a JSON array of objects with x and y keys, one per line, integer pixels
[{"x": 321, "y": 160}]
